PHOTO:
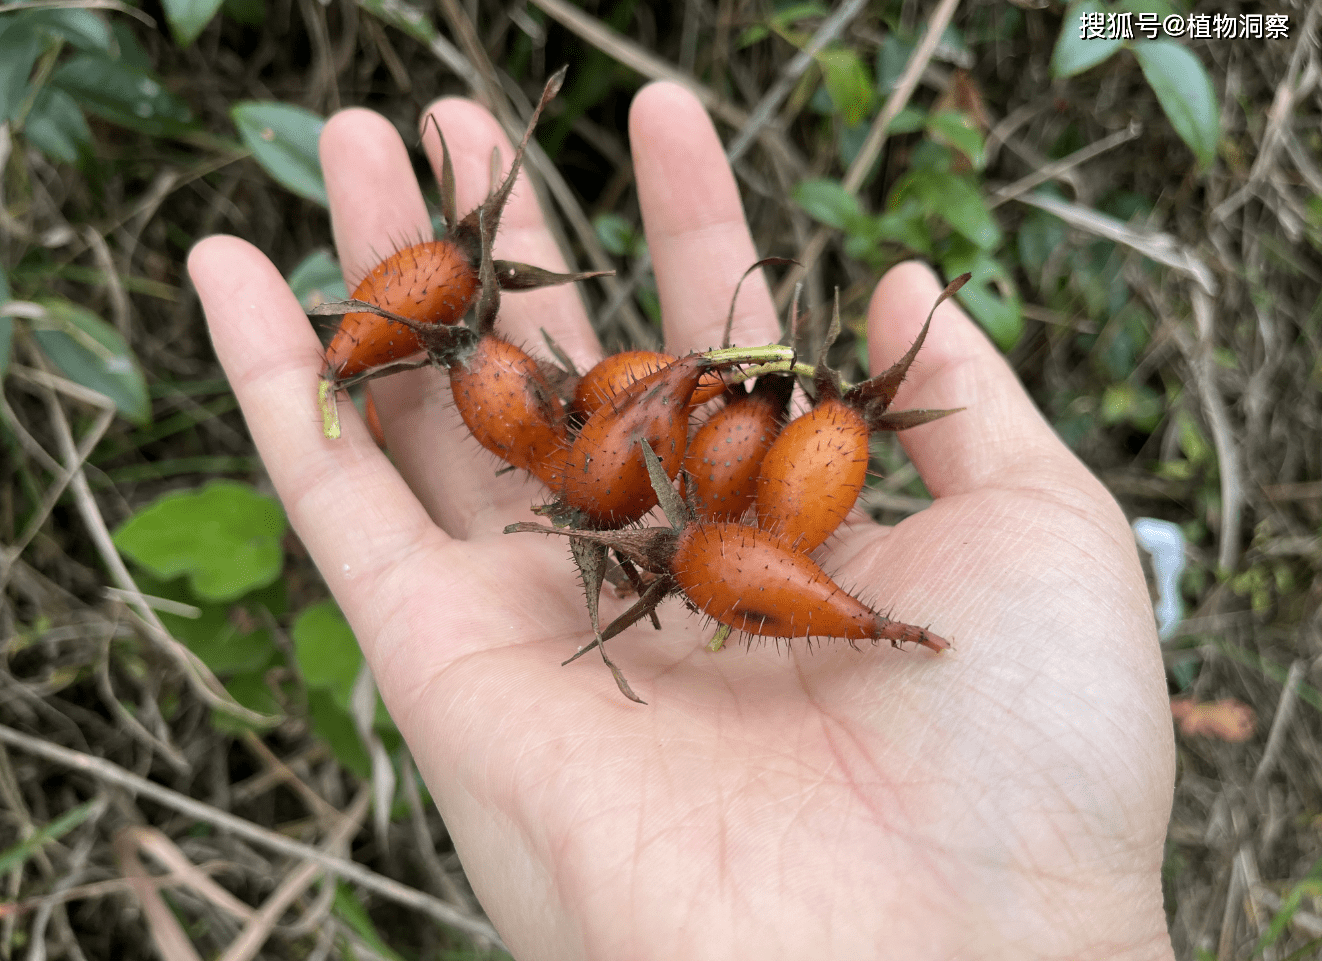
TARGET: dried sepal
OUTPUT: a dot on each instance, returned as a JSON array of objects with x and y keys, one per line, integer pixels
[{"x": 879, "y": 392}]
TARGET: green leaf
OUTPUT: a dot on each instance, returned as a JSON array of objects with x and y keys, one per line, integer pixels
[
  {"x": 283, "y": 139},
  {"x": 128, "y": 49},
  {"x": 20, "y": 46},
  {"x": 892, "y": 56},
  {"x": 1002, "y": 316},
  {"x": 1074, "y": 55},
  {"x": 318, "y": 280},
  {"x": 827, "y": 201},
  {"x": 908, "y": 120},
  {"x": 907, "y": 225},
  {"x": 225, "y": 538},
  {"x": 403, "y": 16},
  {"x": 955, "y": 200},
  {"x": 217, "y": 635},
  {"x": 961, "y": 206},
  {"x": 959, "y": 130},
  {"x": 1135, "y": 404},
  {"x": 56, "y": 126},
  {"x": 1192, "y": 442},
  {"x": 116, "y": 90},
  {"x": 62, "y": 825},
  {"x": 1185, "y": 92},
  {"x": 1040, "y": 234},
  {"x": 332, "y": 724},
  {"x": 84, "y": 29},
  {"x": 188, "y": 18},
  {"x": 799, "y": 11},
  {"x": 91, "y": 352},
  {"x": 327, "y": 652},
  {"x": 222, "y": 647},
  {"x": 351, "y": 911},
  {"x": 847, "y": 82},
  {"x": 254, "y": 692},
  {"x": 616, "y": 234},
  {"x": 752, "y": 35},
  {"x": 250, "y": 13}
]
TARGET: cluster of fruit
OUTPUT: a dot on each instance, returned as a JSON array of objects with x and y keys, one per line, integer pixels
[{"x": 756, "y": 493}]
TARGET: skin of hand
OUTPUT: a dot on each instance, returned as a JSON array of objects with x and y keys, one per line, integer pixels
[{"x": 1005, "y": 800}]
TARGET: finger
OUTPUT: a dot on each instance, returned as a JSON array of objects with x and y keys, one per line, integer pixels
[
  {"x": 471, "y": 134},
  {"x": 376, "y": 209},
  {"x": 695, "y": 224},
  {"x": 376, "y": 205},
  {"x": 349, "y": 506},
  {"x": 1000, "y": 439},
  {"x": 453, "y": 475}
]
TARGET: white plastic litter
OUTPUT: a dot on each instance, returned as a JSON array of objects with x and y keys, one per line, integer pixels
[{"x": 1165, "y": 542}]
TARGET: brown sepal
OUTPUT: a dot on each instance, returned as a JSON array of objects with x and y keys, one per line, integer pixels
[
  {"x": 512, "y": 275},
  {"x": 882, "y": 388}
]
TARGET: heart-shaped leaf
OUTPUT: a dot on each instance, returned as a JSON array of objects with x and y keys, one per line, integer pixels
[{"x": 225, "y": 538}]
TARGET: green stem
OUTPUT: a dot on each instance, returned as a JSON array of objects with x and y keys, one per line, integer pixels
[
  {"x": 779, "y": 367},
  {"x": 769, "y": 354}
]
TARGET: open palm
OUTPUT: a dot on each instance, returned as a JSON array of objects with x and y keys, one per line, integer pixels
[{"x": 1007, "y": 799}]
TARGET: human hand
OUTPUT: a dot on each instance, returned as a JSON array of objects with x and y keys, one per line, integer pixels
[{"x": 1009, "y": 799}]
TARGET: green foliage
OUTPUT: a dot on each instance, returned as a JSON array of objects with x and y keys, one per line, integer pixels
[
  {"x": 404, "y": 17},
  {"x": 618, "y": 235},
  {"x": 1073, "y": 55},
  {"x": 330, "y": 661},
  {"x": 318, "y": 280},
  {"x": 1185, "y": 92},
  {"x": 958, "y": 130},
  {"x": 225, "y": 538},
  {"x": 1176, "y": 76},
  {"x": 90, "y": 352},
  {"x": 781, "y": 23},
  {"x": 188, "y": 18},
  {"x": 990, "y": 295},
  {"x": 327, "y": 653},
  {"x": 44, "y": 94},
  {"x": 283, "y": 139},
  {"x": 217, "y": 551},
  {"x": 116, "y": 90},
  {"x": 934, "y": 212},
  {"x": 56, "y": 126},
  {"x": 1135, "y": 404},
  {"x": 953, "y": 198},
  {"x": 352, "y": 912},
  {"x": 18, "y": 855},
  {"x": 848, "y": 83},
  {"x": 831, "y": 204}
]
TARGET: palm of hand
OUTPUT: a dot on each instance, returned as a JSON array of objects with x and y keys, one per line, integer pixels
[{"x": 771, "y": 800}]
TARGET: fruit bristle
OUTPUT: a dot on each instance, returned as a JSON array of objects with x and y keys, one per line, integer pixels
[
  {"x": 610, "y": 444},
  {"x": 725, "y": 456},
  {"x": 605, "y": 477},
  {"x": 430, "y": 283},
  {"x": 755, "y": 582},
  {"x": 812, "y": 475},
  {"x": 509, "y": 408}
]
